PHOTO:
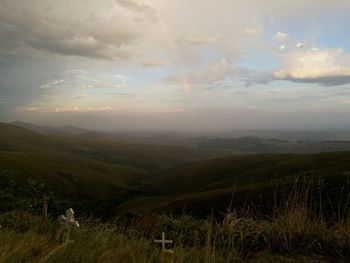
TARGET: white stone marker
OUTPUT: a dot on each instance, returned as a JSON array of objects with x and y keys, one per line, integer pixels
[
  {"x": 163, "y": 241},
  {"x": 67, "y": 223}
]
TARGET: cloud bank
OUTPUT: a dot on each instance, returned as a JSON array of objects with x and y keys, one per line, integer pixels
[
  {"x": 154, "y": 56},
  {"x": 327, "y": 67},
  {"x": 93, "y": 29}
]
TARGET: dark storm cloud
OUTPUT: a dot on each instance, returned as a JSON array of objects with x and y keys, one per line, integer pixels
[
  {"x": 324, "y": 81},
  {"x": 137, "y": 7},
  {"x": 253, "y": 77},
  {"x": 72, "y": 28}
]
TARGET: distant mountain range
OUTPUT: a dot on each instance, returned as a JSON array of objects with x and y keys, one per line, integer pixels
[
  {"x": 244, "y": 145},
  {"x": 80, "y": 165},
  {"x": 238, "y": 142},
  {"x": 69, "y": 130}
]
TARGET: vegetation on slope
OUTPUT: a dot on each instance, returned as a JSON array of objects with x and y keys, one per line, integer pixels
[
  {"x": 84, "y": 171},
  {"x": 254, "y": 180},
  {"x": 251, "y": 145},
  {"x": 264, "y": 208},
  {"x": 249, "y": 170},
  {"x": 293, "y": 234}
]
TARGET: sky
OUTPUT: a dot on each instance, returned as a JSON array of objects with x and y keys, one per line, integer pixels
[{"x": 176, "y": 65}]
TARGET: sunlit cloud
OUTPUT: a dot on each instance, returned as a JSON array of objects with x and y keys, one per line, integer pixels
[
  {"x": 252, "y": 32},
  {"x": 198, "y": 39},
  {"x": 76, "y": 71},
  {"x": 81, "y": 109},
  {"x": 81, "y": 96},
  {"x": 280, "y": 36},
  {"x": 52, "y": 84},
  {"x": 327, "y": 67}
]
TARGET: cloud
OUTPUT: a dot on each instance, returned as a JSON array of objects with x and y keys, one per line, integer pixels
[
  {"x": 251, "y": 77},
  {"x": 80, "y": 79},
  {"x": 80, "y": 109},
  {"x": 81, "y": 96},
  {"x": 93, "y": 29},
  {"x": 198, "y": 39},
  {"x": 154, "y": 63},
  {"x": 330, "y": 67},
  {"x": 280, "y": 36},
  {"x": 121, "y": 81},
  {"x": 106, "y": 82},
  {"x": 52, "y": 84},
  {"x": 214, "y": 76},
  {"x": 252, "y": 32},
  {"x": 142, "y": 8},
  {"x": 210, "y": 75},
  {"x": 76, "y": 71},
  {"x": 69, "y": 48}
]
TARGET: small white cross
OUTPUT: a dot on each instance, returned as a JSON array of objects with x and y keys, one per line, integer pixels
[
  {"x": 67, "y": 223},
  {"x": 163, "y": 241},
  {"x": 69, "y": 219}
]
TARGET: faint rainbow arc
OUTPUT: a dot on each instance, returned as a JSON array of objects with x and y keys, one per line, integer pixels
[{"x": 169, "y": 36}]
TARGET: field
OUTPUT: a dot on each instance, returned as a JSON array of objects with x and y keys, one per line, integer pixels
[
  {"x": 80, "y": 170},
  {"x": 215, "y": 206},
  {"x": 253, "y": 180},
  {"x": 293, "y": 234}
]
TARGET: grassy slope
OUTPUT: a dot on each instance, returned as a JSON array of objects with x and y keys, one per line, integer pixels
[
  {"x": 249, "y": 145},
  {"x": 247, "y": 170},
  {"x": 289, "y": 236},
  {"x": 103, "y": 246},
  {"x": 206, "y": 181},
  {"x": 70, "y": 176},
  {"x": 154, "y": 159},
  {"x": 25, "y": 154},
  {"x": 104, "y": 168},
  {"x": 73, "y": 165}
]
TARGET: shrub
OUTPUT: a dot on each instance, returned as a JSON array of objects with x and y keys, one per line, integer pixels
[{"x": 19, "y": 220}]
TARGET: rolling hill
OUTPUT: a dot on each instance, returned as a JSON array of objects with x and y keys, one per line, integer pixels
[
  {"x": 26, "y": 154},
  {"x": 253, "y": 145},
  {"x": 143, "y": 178},
  {"x": 201, "y": 186},
  {"x": 65, "y": 130},
  {"x": 83, "y": 166}
]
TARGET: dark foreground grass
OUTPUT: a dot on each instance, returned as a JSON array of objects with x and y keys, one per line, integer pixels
[
  {"x": 300, "y": 228},
  {"x": 292, "y": 235}
]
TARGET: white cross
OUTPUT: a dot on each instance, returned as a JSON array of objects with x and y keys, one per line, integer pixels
[
  {"x": 69, "y": 219},
  {"x": 163, "y": 241},
  {"x": 67, "y": 222}
]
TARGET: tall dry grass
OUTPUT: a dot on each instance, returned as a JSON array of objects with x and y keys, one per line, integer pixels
[{"x": 297, "y": 231}]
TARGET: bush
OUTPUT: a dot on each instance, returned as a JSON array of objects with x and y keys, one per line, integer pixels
[{"x": 19, "y": 220}]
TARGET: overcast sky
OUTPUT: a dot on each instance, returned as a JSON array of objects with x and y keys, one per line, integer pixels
[{"x": 176, "y": 65}]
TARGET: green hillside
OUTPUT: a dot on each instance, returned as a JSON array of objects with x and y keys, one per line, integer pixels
[
  {"x": 254, "y": 178},
  {"x": 256, "y": 145},
  {"x": 65, "y": 130},
  {"x": 248, "y": 170},
  {"x": 141, "y": 178},
  {"x": 25, "y": 154},
  {"x": 74, "y": 166}
]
